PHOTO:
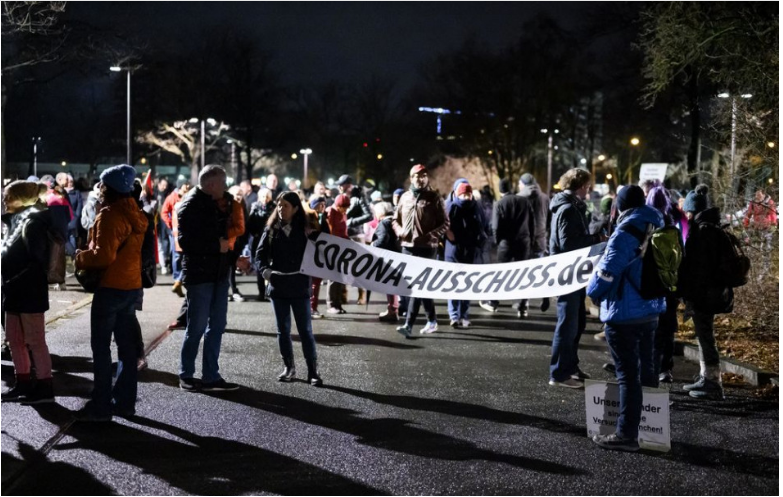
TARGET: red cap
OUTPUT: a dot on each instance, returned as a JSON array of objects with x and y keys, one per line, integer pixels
[
  {"x": 464, "y": 188},
  {"x": 342, "y": 200},
  {"x": 417, "y": 169}
]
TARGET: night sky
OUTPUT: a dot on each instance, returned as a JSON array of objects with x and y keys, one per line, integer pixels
[{"x": 316, "y": 42}]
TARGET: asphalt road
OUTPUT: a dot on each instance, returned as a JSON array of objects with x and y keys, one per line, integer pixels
[{"x": 456, "y": 412}]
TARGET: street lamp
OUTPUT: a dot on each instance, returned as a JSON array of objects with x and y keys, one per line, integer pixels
[
  {"x": 212, "y": 122},
  {"x": 726, "y": 94},
  {"x": 549, "y": 155},
  {"x": 306, "y": 152},
  {"x": 128, "y": 112},
  {"x": 634, "y": 143}
]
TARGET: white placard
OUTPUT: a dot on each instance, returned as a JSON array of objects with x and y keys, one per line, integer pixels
[
  {"x": 655, "y": 171},
  {"x": 602, "y": 406},
  {"x": 383, "y": 271}
]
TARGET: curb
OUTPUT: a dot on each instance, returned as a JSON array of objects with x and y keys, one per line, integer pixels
[
  {"x": 752, "y": 375},
  {"x": 78, "y": 305}
]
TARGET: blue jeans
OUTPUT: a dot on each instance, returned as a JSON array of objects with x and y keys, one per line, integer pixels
[
  {"x": 571, "y": 322},
  {"x": 304, "y": 325},
  {"x": 415, "y": 303},
  {"x": 207, "y": 314},
  {"x": 632, "y": 351},
  {"x": 176, "y": 261},
  {"x": 113, "y": 312},
  {"x": 459, "y": 309}
]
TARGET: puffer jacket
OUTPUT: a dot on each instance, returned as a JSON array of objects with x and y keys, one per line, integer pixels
[
  {"x": 25, "y": 257},
  {"x": 115, "y": 245},
  {"x": 619, "y": 273},
  {"x": 569, "y": 230},
  {"x": 699, "y": 280},
  {"x": 201, "y": 226},
  {"x": 420, "y": 220}
]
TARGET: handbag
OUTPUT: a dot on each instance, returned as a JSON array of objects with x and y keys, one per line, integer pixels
[
  {"x": 89, "y": 279},
  {"x": 55, "y": 273}
]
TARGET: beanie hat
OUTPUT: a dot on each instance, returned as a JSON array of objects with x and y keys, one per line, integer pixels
[
  {"x": 606, "y": 205},
  {"x": 182, "y": 182},
  {"x": 119, "y": 178},
  {"x": 527, "y": 179},
  {"x": 344, "y": 179},
  {"x": 417, "y": 169},
  {"x": 315, "y": 201},
  {"x": 696, "y": 201},
  {"x": 376, "y": 196},
  {"x": 25, "y": 192},
  {"x": 505, "y": 186},
  {"x": 464, "y": 188},
  {"x": 342, "y": 200},
  {"x": 399, "y": 191},
  {"x": 630, "y": 197}
]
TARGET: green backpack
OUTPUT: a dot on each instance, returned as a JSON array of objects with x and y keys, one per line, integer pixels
[{"x": 661, "y": 251}]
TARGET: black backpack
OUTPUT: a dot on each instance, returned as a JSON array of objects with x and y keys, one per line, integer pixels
[{"x": 734, "y": 265}]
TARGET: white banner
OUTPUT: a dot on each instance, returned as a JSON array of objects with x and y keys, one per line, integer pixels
[
  {"x": 602, "y": 405},
  {"x": 392, "y": 273}
]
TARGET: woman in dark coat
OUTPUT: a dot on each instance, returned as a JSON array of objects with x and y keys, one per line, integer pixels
[
  {"x": 278, "y": 259},
  {"x": 25, "y": 260},
  {"x": 256, "y": 222}
]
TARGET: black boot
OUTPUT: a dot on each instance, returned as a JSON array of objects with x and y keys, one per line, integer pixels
[
  {"x": 42, "y": 393},
  {"x": 313, "y": 377},
  {"x": 290, "y": 370},
  {"x": 22, "y": 388}
]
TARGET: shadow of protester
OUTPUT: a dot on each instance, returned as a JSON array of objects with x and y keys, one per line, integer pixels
[
  {"x": 205, "y": 465},
  {"x": 330, "y": 340},
  {"x": 59, "y": 478},
  {"x": 723, "y": 459},
  {"x": 464, "y": 410},
  {"x": 389, "y": 433}
]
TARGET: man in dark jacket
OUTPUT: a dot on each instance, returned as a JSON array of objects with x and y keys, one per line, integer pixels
[
  {"x": 419, "y": 222},
  {"x": 203, "y": 236},
  {"x": 528, "y": 188},
  {"x": 569, "y": 231},
  {"x": 703, "y": 289},
  {"x": 513, "y": 225},
  {"x": 358, "y": 214}
]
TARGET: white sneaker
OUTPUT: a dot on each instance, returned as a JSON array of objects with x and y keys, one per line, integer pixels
[
  {"x": 488, "y": 307},
  {"x": 429, "y": 328},
  {"x": 164, "y": 271},
  {"x": 569, "y": 383},
  {"x": 465, "y": 323}
]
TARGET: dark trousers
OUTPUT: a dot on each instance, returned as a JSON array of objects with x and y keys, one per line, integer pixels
[
  {"x": 113, "y": 313},
  {"x": 512, "y": 251},
  {"x": 304, "y": 326},
  {"x": 571, "y": 322},
  {"x": 664, "y": 336},
  {"x": 415, "y": 303},
  {"x": 632, "y": 351}
]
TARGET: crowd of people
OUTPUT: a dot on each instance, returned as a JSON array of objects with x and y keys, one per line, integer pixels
[{"x": 207, "y": 234}]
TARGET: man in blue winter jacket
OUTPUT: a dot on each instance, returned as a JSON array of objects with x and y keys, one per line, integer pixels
[{"x": 630, "y": 319}]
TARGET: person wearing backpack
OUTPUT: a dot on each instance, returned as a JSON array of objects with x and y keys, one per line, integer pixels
[
  {"x": 25, "y": 258},
  {"x": 659, "y": 198},
  {"x": 630, "y": 318},
  {"x": 704, "y": 288}
]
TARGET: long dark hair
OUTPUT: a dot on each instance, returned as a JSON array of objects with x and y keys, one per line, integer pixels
[{"x": 298, "y": 221}]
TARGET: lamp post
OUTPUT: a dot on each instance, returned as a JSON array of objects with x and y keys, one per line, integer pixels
[
  {"x": 212, "y": 122},
  {"x": 128, "y": 110},
  {"x": 726, "y": 94},
  {"x": 306, "y": 152},
  {"x": 634, "y": 143},
  {"x": 549, "y": 156},
  {"x": 36, "y": 141}
]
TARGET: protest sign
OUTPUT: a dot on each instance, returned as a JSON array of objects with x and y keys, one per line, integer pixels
[{"x": 653, "y": 171}]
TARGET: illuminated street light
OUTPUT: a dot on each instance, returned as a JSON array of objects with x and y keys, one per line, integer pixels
[
  {"x": 380, "y": 156},
  {"x": 726, "y": 94},
  {"x": 770, "y": 181},
  {"x": 294, "y": 156},
  {"x": 608, "y": 176},
  {"x": 128, "y": 110},
  {"x": 306, "y": 152},
  {"x": 602, "y": 157},
  {"x": 63, "y": 163},
  {"x": 143, "y": 160},
  {"x": 634, "y": 141},
  {"x": 771, "y": 144}
]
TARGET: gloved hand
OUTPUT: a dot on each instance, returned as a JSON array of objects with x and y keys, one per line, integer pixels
[{"x": 266, "y": 273}]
